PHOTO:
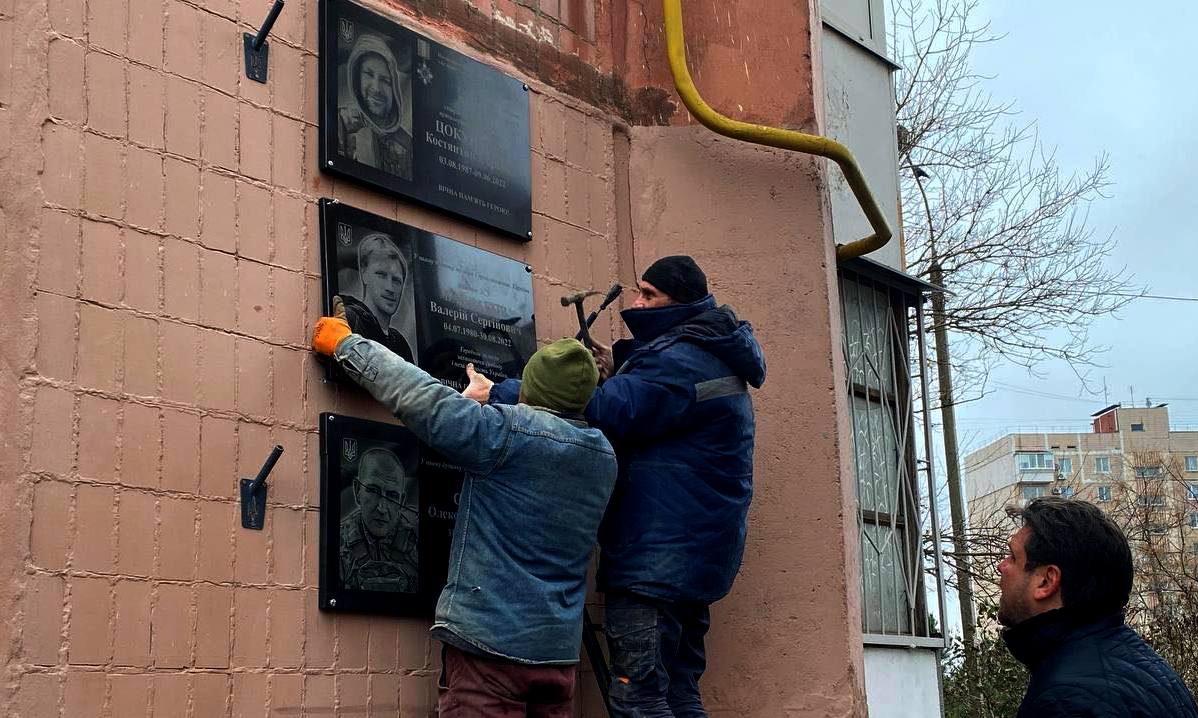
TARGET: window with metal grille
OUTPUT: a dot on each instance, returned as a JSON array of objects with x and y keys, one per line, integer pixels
[{"x": 877, "y": 320}]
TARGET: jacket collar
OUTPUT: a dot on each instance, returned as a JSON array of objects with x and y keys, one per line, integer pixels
[
  {"x": 649, "y": 324},
  {"x": 1041, "y": 635},
  {"x": 577, "y": 420}
]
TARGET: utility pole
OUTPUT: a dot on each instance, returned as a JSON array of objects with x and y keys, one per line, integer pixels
[{"x": 952, "y": 464}]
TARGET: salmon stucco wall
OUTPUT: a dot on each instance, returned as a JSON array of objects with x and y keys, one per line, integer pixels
[{"x": 159, "y": 272}]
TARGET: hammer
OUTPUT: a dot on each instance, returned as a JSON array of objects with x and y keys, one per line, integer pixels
[
  {"x": 576, "y": 299},
  {"x": 607, "y": 299}
]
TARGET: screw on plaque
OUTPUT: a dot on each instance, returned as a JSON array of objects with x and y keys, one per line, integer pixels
[
  {"x": 257, "y": 50},
  {"x": 253, "y": 494}
]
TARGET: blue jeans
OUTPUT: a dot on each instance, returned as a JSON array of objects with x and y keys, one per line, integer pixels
[{"x": 657, "y": 656}]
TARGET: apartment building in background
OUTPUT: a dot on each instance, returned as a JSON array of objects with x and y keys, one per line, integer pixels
[{"x": 1131, "y": 464}]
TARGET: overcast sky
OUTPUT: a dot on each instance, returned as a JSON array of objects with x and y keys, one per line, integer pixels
[{"x": 1100, "y": 76}]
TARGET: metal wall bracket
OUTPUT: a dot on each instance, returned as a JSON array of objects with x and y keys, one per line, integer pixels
[
  {"x": 253, "y": 505},
  {"x": 257, "y": 51},
  {"x": 256, "y": 61},
  {"x": 253, "y": 494}
]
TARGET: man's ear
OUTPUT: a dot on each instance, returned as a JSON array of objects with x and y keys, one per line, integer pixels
[{"x": 1048, "y": 584}]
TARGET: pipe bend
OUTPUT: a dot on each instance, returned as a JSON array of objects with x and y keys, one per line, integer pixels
[{"x": 774, "y": 137}]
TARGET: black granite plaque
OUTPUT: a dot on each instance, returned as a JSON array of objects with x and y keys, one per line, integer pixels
[
  {"x": 411, "y": 117},
  {"x": 441, "y": 304},
  {"x": 372, "y": 532}
]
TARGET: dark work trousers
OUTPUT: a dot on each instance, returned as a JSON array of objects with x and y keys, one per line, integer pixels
[
  {"x": 474, "y": 686},
  {"x": 657, "y": 656}
]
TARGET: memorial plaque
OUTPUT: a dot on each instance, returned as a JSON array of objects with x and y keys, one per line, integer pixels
[
  {"x": 371, "y": 555},
  {"x": 408, "y": 116},
  {"x": 441, "y": 304}
]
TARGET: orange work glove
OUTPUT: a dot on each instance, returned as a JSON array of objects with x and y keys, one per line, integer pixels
[{"x": 330, "y": 331}]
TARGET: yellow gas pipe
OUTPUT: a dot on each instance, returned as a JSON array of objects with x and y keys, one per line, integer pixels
[{"x": 773, "y": 137}]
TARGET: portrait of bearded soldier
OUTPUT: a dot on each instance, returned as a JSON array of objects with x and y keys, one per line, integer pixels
[
  {"x": 374, "y": 125},
  {"x": 378, "y": 538}
]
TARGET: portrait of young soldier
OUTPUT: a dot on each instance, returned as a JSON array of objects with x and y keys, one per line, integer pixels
[
  {"x": 383, "y": 272},
  {"x": 379, "y": 536},
  {"x": 374, "y": 118}
]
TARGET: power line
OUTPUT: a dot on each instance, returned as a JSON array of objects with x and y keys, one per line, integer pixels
[{"x": 1161, "y": 297}]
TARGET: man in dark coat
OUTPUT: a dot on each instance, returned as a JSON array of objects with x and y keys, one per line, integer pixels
[
  {"x": 674, "y": 402},
  {"x": 1065, "y": 584}
]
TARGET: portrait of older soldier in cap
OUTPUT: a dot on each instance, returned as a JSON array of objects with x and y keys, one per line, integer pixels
[
  {"x": 383, "y": 271},
  {"x": 378, "y": 538},
  {"x": 374, "y": 123}
]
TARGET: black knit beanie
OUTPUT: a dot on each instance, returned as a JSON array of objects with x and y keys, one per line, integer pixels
[{"x": 679, "y": 277}]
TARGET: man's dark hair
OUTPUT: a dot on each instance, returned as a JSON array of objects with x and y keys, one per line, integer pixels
[{"x": 1091, "y": 551}]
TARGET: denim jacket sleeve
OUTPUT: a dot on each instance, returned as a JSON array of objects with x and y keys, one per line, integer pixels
[{"x": 466, "y": 432}]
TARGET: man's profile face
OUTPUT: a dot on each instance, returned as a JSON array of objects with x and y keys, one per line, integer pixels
[
  {"x": 1015, "y": 582},
  {"x": 383, "y": 281},
  {"x": 380, "y": 492},
  {"x": 649, "y": 296},
  {"x": 378, "y": 90}
]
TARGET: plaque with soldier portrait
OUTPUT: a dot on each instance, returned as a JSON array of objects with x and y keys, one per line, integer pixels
[
  {"x": 411, "y": 117},
  {"x": 432, "y": 300},
  {"x": 440, "y": 304},
  {"x": 370, "y": 514}
]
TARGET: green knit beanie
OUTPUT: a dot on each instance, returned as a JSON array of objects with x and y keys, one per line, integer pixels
[{"x": 560, "y": 376}]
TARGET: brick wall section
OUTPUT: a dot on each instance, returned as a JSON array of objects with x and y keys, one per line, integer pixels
[{"x": 161, "y": 265}]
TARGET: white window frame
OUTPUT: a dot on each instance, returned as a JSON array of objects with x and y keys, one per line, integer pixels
[
  {"x": 1148, "y": 472},
  {"x": 1044, "y": 461},
  {"x": 1191, "y": 463},
  {"x": 1104, "y": 494},
  {"x": 1065, "y": 466},
  {"x": 1192, "y": 491},
  {"x": 1102, "y": 464}
]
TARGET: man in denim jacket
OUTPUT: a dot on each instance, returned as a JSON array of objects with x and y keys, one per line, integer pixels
[
  {"x": 675, "y": 404},
  {"x": 538, "y": 479}
]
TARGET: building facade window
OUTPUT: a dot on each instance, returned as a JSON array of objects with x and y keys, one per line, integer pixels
[
  {"x": 1065, "y": 467},
  {"x": 1192, "y": 463},
  {"x": 1034, "y": 461},
  {"x": 1148, "y": 472},
  {"x": 1192, "y": 492},
  {"x": 1034, "y": 492},
  {"x": 1139, "y": 426},
  {"x": 1065, "y": 492},
  {"x": 877, "y": 321},
  {"x": 1102, "y": 464},
  {"x": 1194, "y": 519},
  {"x": 1104, "y": 494}
]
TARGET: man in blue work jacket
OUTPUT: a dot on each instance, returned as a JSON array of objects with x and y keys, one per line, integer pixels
[{"x": 674, "y": 403}]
